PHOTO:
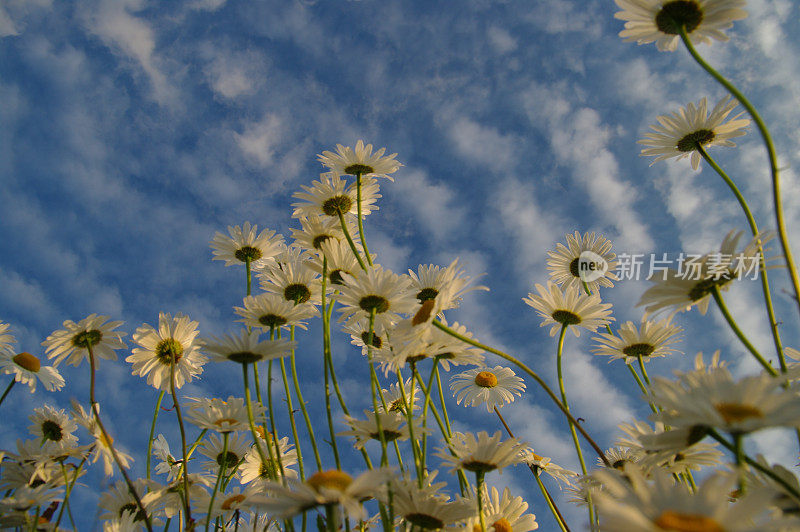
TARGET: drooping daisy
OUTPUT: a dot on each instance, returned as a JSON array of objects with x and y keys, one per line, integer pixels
[
  {"x": 222, "y": 416},
  {"x": 540, "y": 464},
  {"x": 565, "y": 263},
  {"x": 712, "y": 398},
  {"x": 660, "y": 21},
  {"x": 294, "y": 280},
  {"x": 27, "y": 368},
  {"x": 559, "y": 308},
  {"x": 118, "y": 501},
  {"x": 396, "y": 399},
  {"x": 429, "y": 280},
  {"x": 26, "y": 498},
  {"x": 256, "y": 473},
  {"x": 427, "y": 508},
  {"x": 652, "y": 339},
  {"x": 245, "y": 243},
  {"x": 360, "y": 160},
  {"x": 168, "y": 465},
  {"x": 212, "y": 448},
  {"x": 340, "y": 259},
  {"x": 246, "y": 348},
  {"x": 316, "y": 230},
  {"x": 482, "y": 454},
  {"x": 172, "y": 344},
  {"x": 271, "y": 311},
  {"x": 673, "y": 458},
  {"x": 393, "y": 426},
  {"x": 170, "y": 498},
  {"x": 54, "y": 428},
  {"x": 504, "y": 513},
  {"x": 32, "y": 466},
  {"x": 331, "y": 195},
  {"x": 680, "y": 133},
  {"x": 72, "y": 342},
  {"x": 619, "y": 456},
  {"x": 378, "y": 290},
  {"x": 493, "y": 387},
  {"x": 102, "y": 447}
]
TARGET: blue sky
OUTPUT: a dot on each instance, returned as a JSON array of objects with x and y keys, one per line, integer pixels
[{"x": 132, "y": 131}]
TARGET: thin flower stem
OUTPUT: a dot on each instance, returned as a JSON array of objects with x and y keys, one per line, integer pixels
[
  {"x": 257, "y": 381},
  {"x": 773, "y": 160},
  {"x": 185, "y": 465},
  {"x": 247, "y": 273},
  {"x": 642, "y": 387},
  {"x": 479, "y": 496},
  {"x": 350, "y": 241},
  {"x": 739, "y": 334},
  {"x": 302, "y": 402},
  {"x": 153, "y": 431},
  {"x": 220, "y": 473},
  {"x": 373, "y": 385},
  {"x": 572, "y": 431},
  {"x": 360, "y": 220},
  {"x": 535, "y": 377},
  {"x": 10, "y": 385},
  {"x": 274, "y": 431},
  {"x": 107, "y": 440},
  {"x": 738, "y": 444},
  {"x": 442, "y": 402},
  {"x": 326, "y": 355},
  {"x": 408, "y": 408},
  {"x": 644, "y": 370},
  {"x": 68, "y": 490},
  {"x": 292, "y": 423},
  {"x": 773, "y": 322},
  {"x": 426, "y": 401}
]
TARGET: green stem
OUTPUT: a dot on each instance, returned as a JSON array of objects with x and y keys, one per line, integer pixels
[
  {"x": 773, "y": 160},
  {"x": 350, "y": 241},
  {"x": 479, "y": 496},
  {"x": 739, "y": 334},
  {"x": 10, "y": 385},
  {"x": 251, "y": 420},
  {"x": 248, "y": 274},
  {"x": 535, "y": 377},
  {"x": 302, "y": 402},
  {"x": 185, "y": 465},
  {"x": 68, "y": 490},
  {"x": 292, "y": 423},
  {"x": 220, "y": 473},
  {"x": 738, "y": 445},
  {"x": 326, "y": 355},
  {"x": 274, "y": 431},
  {"x": 408, "y": 408},
  {"x": 153, "y": 431},
  {"x": 550, "y": 503},
  {"x": 373, "y": 385},
  {"x": 360, "y": 220}
]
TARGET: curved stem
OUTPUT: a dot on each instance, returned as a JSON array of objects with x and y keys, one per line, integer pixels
[
  {"x": 251, "y": 421},
  {"x": 292, "y": 423},
  {"x": 302, "y": 402},
  {"x": 360, "y": 220},
  {"x": 185, "y": 464},
  {"x": 10, "y": 385},
  {"x": 326, "y": 355},
  {"x": 375, "y": 384},
  {"x": 67, "y": 490},
  {"x": 479, "y": 497},
  {"x": 751, "y": 221},
  {"x": 350, "y": 241},
  {"x": 153, "y": 431},
  {"x": 274, "y": 431},
  {"x": 739, "y": 334},
  {"x": 535, "y": 377},
  {"x": 773, "y": 161},
  {"x": 220, "y": 474}
]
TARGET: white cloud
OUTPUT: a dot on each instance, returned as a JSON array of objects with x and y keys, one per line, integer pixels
[
  {"x": 483, "y": 144},
  {"x": 232, "y": 74},
  {"x": 432, "y": 204},
  {"x": 260, "y": 139},
  {"x": 501, "y": 40}
]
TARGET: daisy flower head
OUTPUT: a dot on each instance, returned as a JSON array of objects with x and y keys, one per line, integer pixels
[
  {"x": 118, "y": 501},
  {"x": 650, "y": 340},
  {"x": 504, "y": 513},
  {"x": 234, "y": 455},
  {"x": 482, "y": 454},
  {"x": 428, "y": 509},
  {"x": 340, "y": 259},
  {"x": 54, "y": 428},
  {"x": 331, "y": 196},
  {"x": 493, "y": 387},
  {"x": 226, "y": 505},
  {"x": 660, "y": 21},
  {"x": 396, "y": 399},
  {"x": 246, "y": 244},
  {"x": 222, "y": 416},
  {"x": 561, "y": 309},
  {"x": 294, "y": 280},
  {"x": 172, "y": 344},
  {"x": 256, "y": 473},
  {"x": 375, "y": 291},
  {"x": 430, "y": 280},
  {"x": 393, "y": 427},
  {"x": 245, "y": 348},
  {"x": 563, "y": 476},
  {"x": 169, "y": 465},
  {"x": 6, "y": 338},
  {"x": 681, "y": 134},
  {"x": 27, "y": 369},
  {"x": 360, "y": 161},
  {"x": 72, "y": 343},
  {"x": 566, "y": 263},
  {"x": 270, "y": 311},
  {"x": 676, "y": 453},
  {"x": 317, "y": 229}
]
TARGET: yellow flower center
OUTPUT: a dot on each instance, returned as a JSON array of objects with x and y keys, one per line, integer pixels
[
  {"x": 228, "y": 503},
  {"x": 424, "y": 312},
  {"x": 227, "y": 421},
  {"x": 501, "y": 525},
  {"x": 27, "y": 361},
  {"x": 263, "y": 435},
  {"x": 331, "y": 479},
  {"x": 736, "y": 412},
  {"x": 486, "y": 379},
  {"x": 671, "y": 520}
]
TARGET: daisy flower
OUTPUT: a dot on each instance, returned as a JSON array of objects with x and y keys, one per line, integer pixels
[
  {"x": 331, "y": 195},
  {"x": 660, "y": 21},
  {"x": 118, "y": 501},
  {"x": 378, "y": 290},
  {"x": 72, "y": 342},
  {"x": 317, "y": 229},
  {"x": 27, "y": 368},
  {"x": 26, "y": 498},
  {"x": 504, "y": 513},
  {"x": 650, "y": 340},
  {"x": 173, "y": 343},
  {"x": 54, "y": 428},
  {"x": 245, "y": 348},
  {"x": 540, "y": 464},
  {"x": 393, "y": 426},
  {"x": 493, "y": 387},
  {"x": 396, "y": 400},
  {"x": 564, "y": 263},
  {"x": 222, "y": 416},
  {"x": 428, "y": 509},
  {"x": 680, "y": 133},
  {"x": 227, "y": 505},
  {"x": 340, "y": 260},
  {"x": 257, "y": 474},
  {"x": 482, "y": 454},
  {"x": 245, "y": 243},
  {"x": 675, "y": 459},
  {"x": 360, "y": 161},
  {"x": 269, "y": 311},
  {"x": 102, "y": 447},
  {"x": 169, "y": 499},
  {"x": 6, "y": 338},
  {"x": 429, "y": 280},
  {"x": 293, "y": 280},
  {"x": 169, "y": 465},
  {"x": 212, "y": 448},
  {"x": 559, "y": 308}
]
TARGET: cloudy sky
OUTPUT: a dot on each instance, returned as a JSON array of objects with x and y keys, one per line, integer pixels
[{"x": 132, "y": 131}]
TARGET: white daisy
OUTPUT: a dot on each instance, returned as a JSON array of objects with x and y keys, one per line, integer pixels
[
  {"x": 340, "y": 260},
  {"x": 650, "y": 340},
  {"x": 375, "y": 289},
  {"x": 118, "y": 501},
  {"x": 539, "y": 463},
  {"x": 102, "y": 447},
  {"x": 246, "y": 348},
  {"x": 393, "y": 426},
  {"x": 642, "y": 441},
  {"x": 6, "y": 338},
  {"x": 559, "y": 308},
  {"x": 428, "y": 509},
  {"x": 331, "y": 195},
  {"x": 503, "y": 513},
  {"x": 429, "y": 280},
  {"x": 316, "y": 230},
  {"x": 212, "y": 448},
  {"x": 680, "y": 133},
  {"x": 660, "y": 21},
  {"x": 564, "y": 263},
  {"x": 26, "y": 498},
  {"x": 360, "y": 160},
  {"x": 257, "y": 473},
  {"x": 228, "y": 504},
  {"x": 175, "y": 339},
  {"x": 270, "y": 311},
  {"x": 168, "y": 465},
  {"x": 27, "y": 368},
  {"x": 294, "y": 280},
  {"x": 169, "y": 499},
  {"x": 396, "y": 399},
  {"x": 246, "y": 243},
  {"x": 222, "y": 416},
  {"x": 482, "y": 454},
  {"x": 54, "y": 428},
  {"x": 493, "y": 387},
  {"x": 72, "y": 342}
]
